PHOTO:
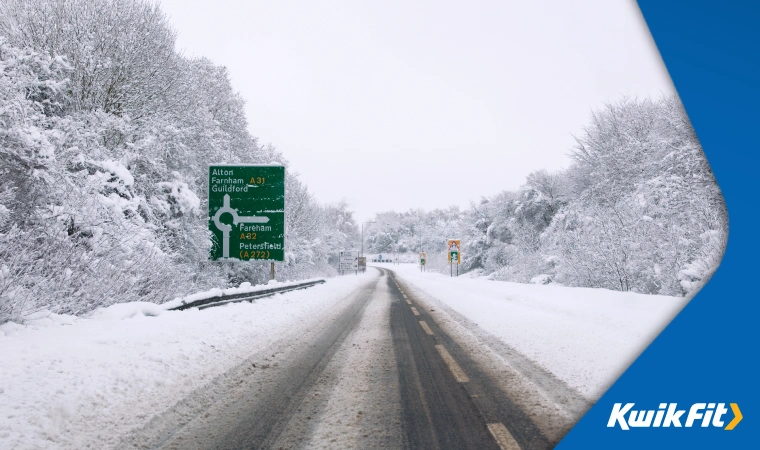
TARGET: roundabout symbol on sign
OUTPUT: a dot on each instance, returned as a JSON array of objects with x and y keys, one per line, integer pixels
[{"x": 236, "y": 219}]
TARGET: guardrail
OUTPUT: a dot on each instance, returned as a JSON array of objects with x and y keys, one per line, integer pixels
[{"x": 248, "y": 296}]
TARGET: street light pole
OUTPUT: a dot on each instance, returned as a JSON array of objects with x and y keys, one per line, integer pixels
[
  {"x": 371, "y": 221},
  {"x": 420, "y": 235}
]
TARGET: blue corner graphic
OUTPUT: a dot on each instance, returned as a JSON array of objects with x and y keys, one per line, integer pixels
[{"x": 709, "y": 353}]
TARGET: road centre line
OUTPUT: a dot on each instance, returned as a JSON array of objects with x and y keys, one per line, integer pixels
[
  {"x": 503, "y": 436},
  {"x": 426, "y": 327},
  {"x": 409, "y": 302},
  {"x": 457, "y": 371},
  {"x": 414, "y": 310}
]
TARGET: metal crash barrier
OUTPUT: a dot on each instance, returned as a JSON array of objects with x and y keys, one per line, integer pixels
[{"x": 248, "y": 296}]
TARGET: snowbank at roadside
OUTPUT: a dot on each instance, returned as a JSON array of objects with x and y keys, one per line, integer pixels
[
  {"x": 586, "y": 337},
  {"x": 72, "y": 382}
]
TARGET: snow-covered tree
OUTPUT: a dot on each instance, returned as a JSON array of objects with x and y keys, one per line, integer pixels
[
  {"x": 638, "y": 210},
  {"x": 106, "y": 134}
]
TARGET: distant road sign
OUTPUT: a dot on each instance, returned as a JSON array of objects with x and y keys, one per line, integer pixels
[
  {"x": 246, "y": 207},
  {"x": 423, "y": 258},
  {"x": 455, "y": 251},
  {"x": 349, "y": 260}
]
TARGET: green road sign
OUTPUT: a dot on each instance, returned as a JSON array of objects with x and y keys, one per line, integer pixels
[
  {"x": 422, "y": 261},
  {"x": 454, "y": 257},
  {"x": 246, "y": 207}
]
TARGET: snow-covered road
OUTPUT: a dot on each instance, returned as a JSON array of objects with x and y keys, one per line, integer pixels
[
  {"x": 367, "y": 361},
  {"x": 333, "y": 386}
]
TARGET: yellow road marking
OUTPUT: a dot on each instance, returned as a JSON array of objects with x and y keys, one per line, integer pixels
[
  {"x": 457, "y": 371},
  {"x": 426, "y": 327},
  {"x": 414, "y": 310},
  {"x": 503, "y": 437}
]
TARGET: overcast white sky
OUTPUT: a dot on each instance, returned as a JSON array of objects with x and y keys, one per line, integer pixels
[{"x": 400, "y": 104}]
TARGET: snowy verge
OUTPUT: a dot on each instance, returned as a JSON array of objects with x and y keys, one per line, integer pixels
[
  {"x": 72, "y": 382},
  {"x": 585, "y": 337}
]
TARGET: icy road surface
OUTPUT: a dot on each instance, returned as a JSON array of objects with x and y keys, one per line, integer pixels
[{"x": 388, "y": 359}]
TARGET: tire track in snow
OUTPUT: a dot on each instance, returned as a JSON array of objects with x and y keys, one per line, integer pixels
[{"x": 250, "y": 407}]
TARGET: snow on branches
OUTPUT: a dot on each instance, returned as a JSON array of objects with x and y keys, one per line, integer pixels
[
  {"x": 106, "y": 133},
  {"x": 638, "y": 210}
]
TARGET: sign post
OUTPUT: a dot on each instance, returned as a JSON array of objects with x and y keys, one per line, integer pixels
[
  {"x": 363, "y": 264},
  {"x": 423, "y": 260},
  {"x": 349, "y": 261},
  {"x": 246, "y": 207},
  {"x": 455, "y": 255}
]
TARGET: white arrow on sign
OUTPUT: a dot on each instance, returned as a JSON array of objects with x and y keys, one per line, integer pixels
[{"x": 236, "y": 219}]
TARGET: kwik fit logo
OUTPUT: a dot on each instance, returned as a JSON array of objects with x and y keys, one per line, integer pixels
[{"x": 668, "y": 415}]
